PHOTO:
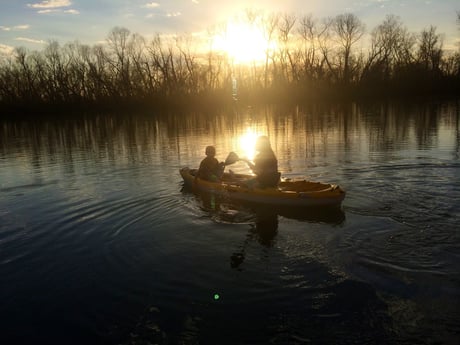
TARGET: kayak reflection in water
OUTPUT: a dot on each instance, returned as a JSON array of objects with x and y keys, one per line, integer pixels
[
  {"x": 265, "y": 165},
  {"x": 266, "y": 227},
  {"x": 264, "y": 231},
  {"x": 210, "y": 169}
]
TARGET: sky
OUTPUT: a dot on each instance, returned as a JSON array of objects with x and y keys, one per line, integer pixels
[{"x": 34, "y": 23}]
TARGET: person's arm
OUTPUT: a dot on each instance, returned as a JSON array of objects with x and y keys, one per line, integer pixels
[
  {"x": 199, "y": 171},
  {"x": 249, "y": 163}
]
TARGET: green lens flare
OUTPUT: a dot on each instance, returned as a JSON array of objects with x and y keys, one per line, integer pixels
[{"x": 216, "y": 296}]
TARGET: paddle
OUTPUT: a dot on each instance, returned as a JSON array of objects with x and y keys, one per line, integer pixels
[{"x": 231, "y": 159}]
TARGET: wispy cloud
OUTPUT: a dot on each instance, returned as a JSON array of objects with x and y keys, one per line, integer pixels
[
  {"x": 72, "y": 11},
  {"x": 152, "y": 5},
  {"x": 158, "y": 12},
  {"x": 29, "y": 40},
  {"x": 168, "y": 15},
  {"x": 21, "y": 27},
  {"x": 14, "y": 28},
  {"x": 48, "y": 11},
  {"x": 51, "y": 4}
]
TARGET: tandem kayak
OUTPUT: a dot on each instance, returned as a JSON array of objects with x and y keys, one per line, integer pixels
[{"x": 289, "y": 192}]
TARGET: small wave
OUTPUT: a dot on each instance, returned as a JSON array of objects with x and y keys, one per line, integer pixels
[
  {"x": 431, "y": 269},
  {"x": 28, "y": 186}
]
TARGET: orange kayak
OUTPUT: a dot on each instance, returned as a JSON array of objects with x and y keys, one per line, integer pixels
[{"x": 289, "y": 192}]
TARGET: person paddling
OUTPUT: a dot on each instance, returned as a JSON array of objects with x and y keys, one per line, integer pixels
[
  {"x": 265, "y": 164},
  {"x": 210, "y": 169}
]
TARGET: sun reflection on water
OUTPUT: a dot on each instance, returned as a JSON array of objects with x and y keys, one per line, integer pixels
[{"x": 246, "y": 143}]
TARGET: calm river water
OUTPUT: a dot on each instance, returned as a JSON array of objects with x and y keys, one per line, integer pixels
[{"x": 99, "y": 243}]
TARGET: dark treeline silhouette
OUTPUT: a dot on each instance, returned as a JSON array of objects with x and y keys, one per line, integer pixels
[{"x": 313, "y": 60}]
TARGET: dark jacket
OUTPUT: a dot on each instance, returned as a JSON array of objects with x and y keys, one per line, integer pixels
[
  {"x": 266, "y": 168},
  {"x": 210, "y": 169}
]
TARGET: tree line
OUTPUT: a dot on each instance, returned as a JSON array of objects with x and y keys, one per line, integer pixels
[{"x": 313, "y": 59}]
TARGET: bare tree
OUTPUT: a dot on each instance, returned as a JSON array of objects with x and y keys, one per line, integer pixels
[
  {"x": 209, "y": 75},
  {"x": 137, "y": 73},
  {"x": 308, "y": 34},
  {"x": 118, "y": 43},
  {"x": 326, "y": 47},
  {"x": 348, "y": 29},
  {"x": 308, "y": 50},
  {"x": 270, "y": 23},
  {"x": 285, "y": 26},
  {"x": 26, "y": 73},
  {"x": 391, "y": 46},
  {"x": 430, "y": 49}
]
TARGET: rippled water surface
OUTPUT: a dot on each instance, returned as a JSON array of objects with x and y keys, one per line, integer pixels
[{"x": 100, "y": 243}]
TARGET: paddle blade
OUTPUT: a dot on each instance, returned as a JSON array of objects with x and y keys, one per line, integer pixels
[{"x": 231, "y": 158}]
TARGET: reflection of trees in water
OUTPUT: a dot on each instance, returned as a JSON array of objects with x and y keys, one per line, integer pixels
[
  {"x": 427, "y": 128},
  {"x": 401, "y": 124},
  {"x": 300, "y": 133},
  {"x": 457, "y": 129},
  {"x": 95, "y": 139}
]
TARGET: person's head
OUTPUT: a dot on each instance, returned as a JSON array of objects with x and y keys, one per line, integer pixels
[
  {"x": 210, "y": 151},
  {"x": 262, "y": 143}
]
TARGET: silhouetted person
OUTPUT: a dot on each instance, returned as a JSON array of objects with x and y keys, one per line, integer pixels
[
  {"x": 265, "y": 164},
  {"x": 210, "y": 169}
]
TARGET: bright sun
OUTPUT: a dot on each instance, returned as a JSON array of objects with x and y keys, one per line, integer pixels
[
  {"x": 247, "y": 142},
  {"x": 243, "y": 42}
]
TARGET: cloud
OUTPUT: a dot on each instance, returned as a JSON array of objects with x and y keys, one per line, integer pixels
[
  {"x": 29, "y": 40},
  {"x": 21, "y": 27},
  {"x": 14, "y": 28},
  {"x": 152, "y": 5},
  {"x": 195, "y": 1},
  {"x": 56, "y": 10},
  {"x": 168, "y": 15},
  {"x": 5, "y": 49},
  {"x": 51, "y": 4},
  {"x": 173, "y": 14},
  {"x": 48, "y": 11}
]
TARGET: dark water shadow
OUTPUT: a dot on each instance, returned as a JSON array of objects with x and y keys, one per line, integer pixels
[
  {"x": 341, "y": 312},
  {"x": 262, "y": 219},
  {"x": 266, "y": 216}
]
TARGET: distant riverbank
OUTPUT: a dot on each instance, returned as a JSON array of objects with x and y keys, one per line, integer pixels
[{"x": 321, "y": 95}]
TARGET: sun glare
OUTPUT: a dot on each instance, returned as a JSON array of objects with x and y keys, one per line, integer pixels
[
  {"x": 247, "y": 142},
  {"x": 243, "y": 42}
]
